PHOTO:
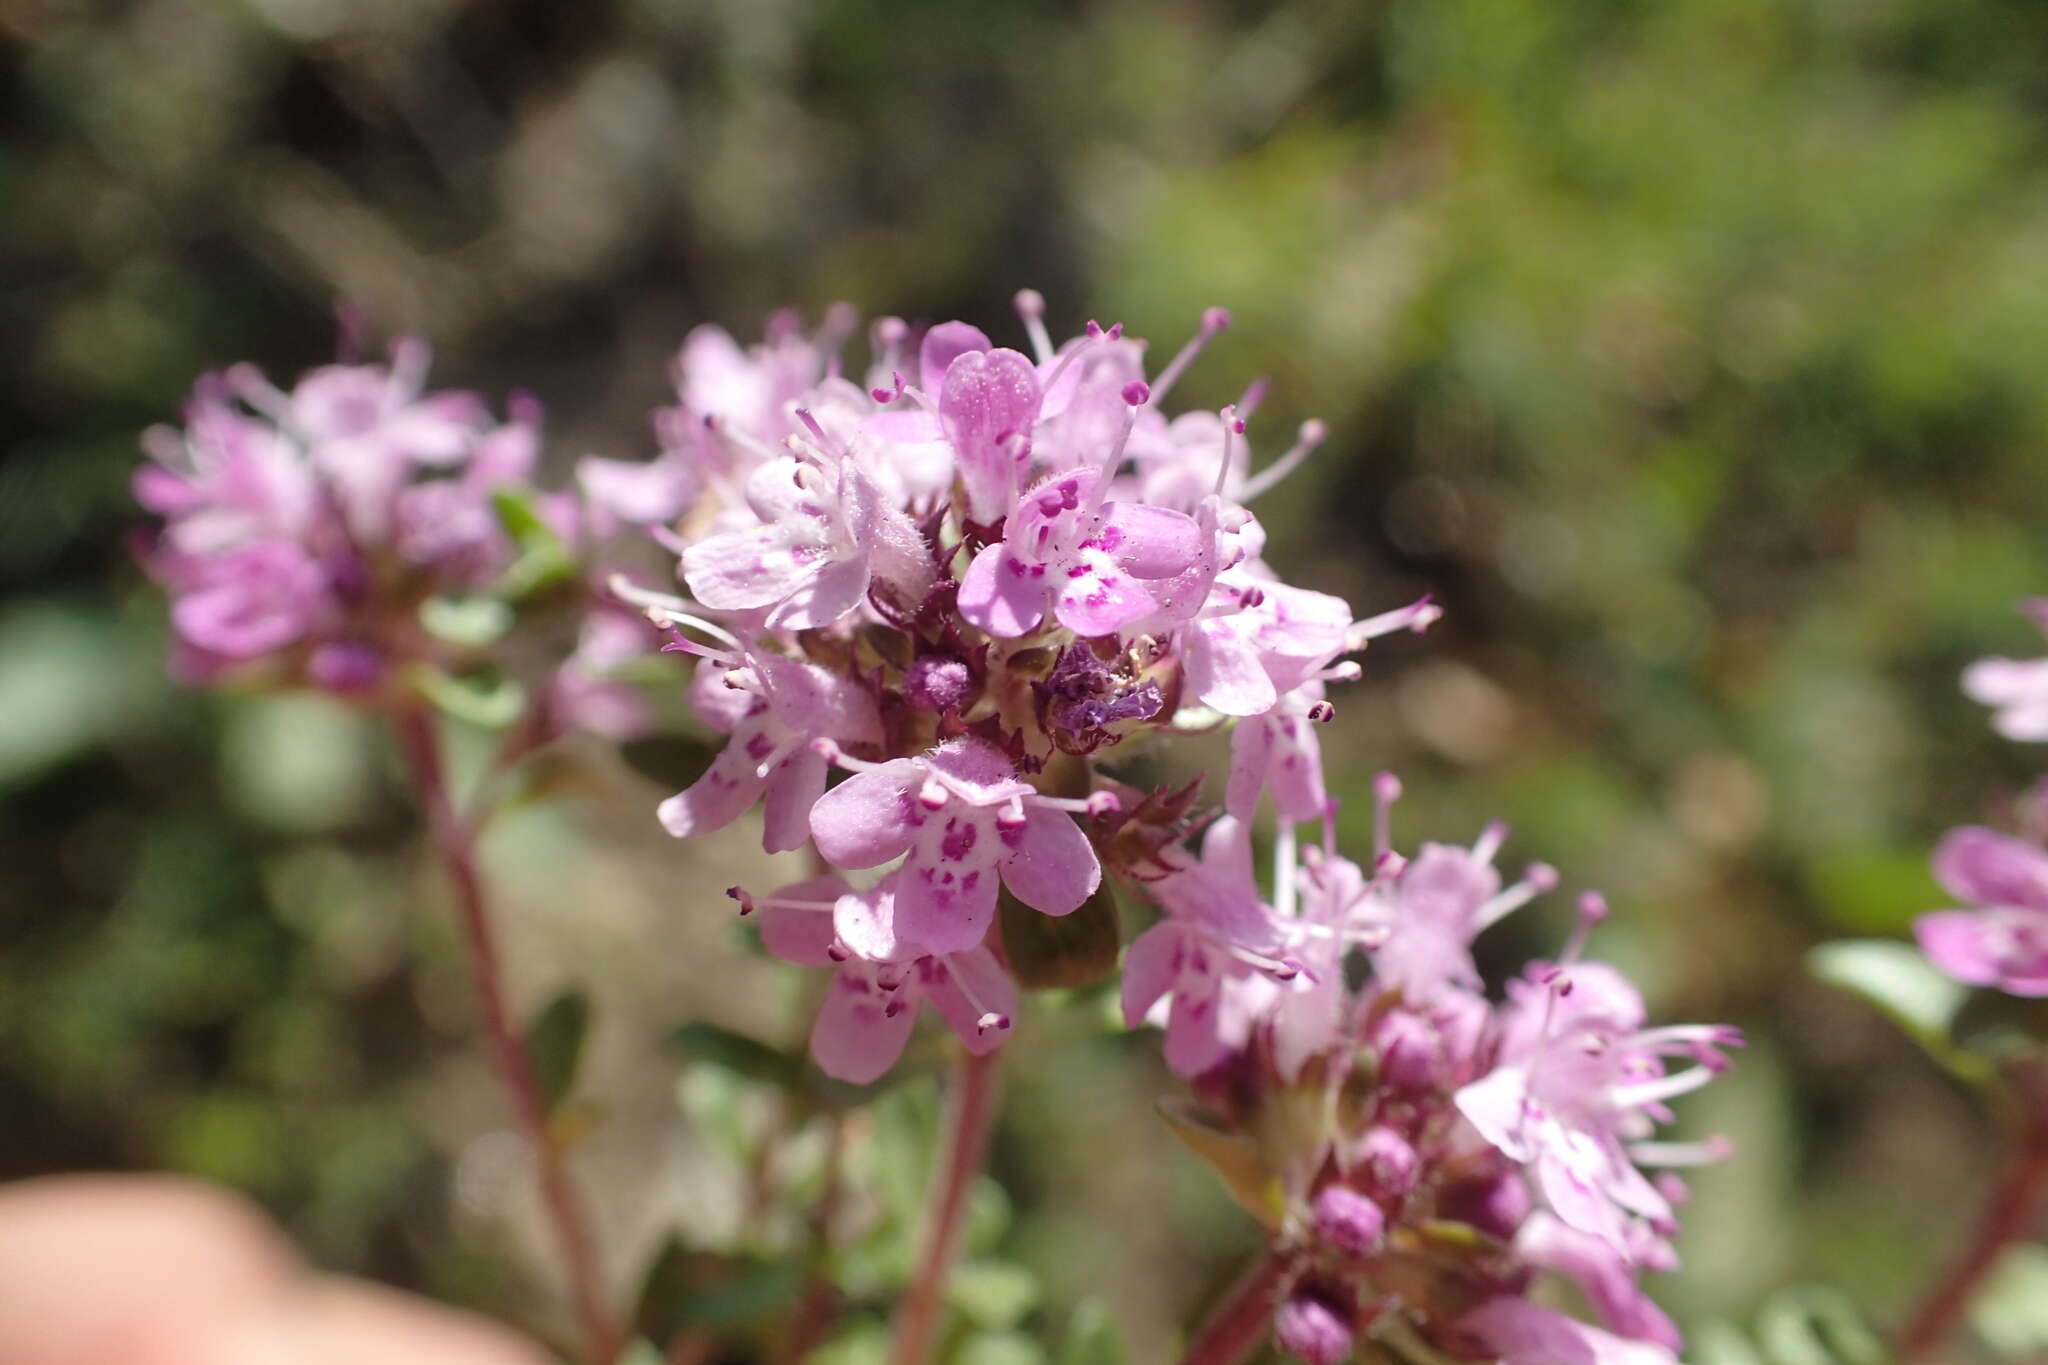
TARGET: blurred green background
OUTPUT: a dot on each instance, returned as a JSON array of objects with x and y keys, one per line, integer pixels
[{"x": 1689, "y": 350}]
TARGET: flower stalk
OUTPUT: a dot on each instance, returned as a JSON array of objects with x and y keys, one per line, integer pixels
[
  {"x": 970, "y": 1117},
  {"x": 2009, "y": 1213},
  {"x": 1238, "y": 1325},
  {"x": 455, "y": 842}
]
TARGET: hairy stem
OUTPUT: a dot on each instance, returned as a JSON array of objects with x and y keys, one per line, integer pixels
[
  {"x": 1244, "y": 1319},
  {"x": 2011, "y": 1211},
  {"x": 455, "y": 841},
  {"x": 969, "y": 1117}
]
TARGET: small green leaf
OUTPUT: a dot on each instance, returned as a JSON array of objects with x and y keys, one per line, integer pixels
[
  {"x": 1092, "y": 1338},
  {"x": 993, "y": 1294},
  {"x": 1061, "y": 950},
  {"x": 484, "y": 698},
  {"x": 554, "y": 1041},
  {"x": 2010, "y": 1312},
  {"x": 641, "y": 1352},
  {"x": 470, "y": 622},
  {"x": 701, "y": 1041},
  {"x": 543, "y": 561},
  {"x": 684, "y": 1288},
  {"x": 1816, "y": 1326},
  {"x": 1231, "y": 1155},
  {"x": 999, "y": 1348},
  {"x": 1895, "y": 977},
  {"x": 1721, "y": 1342}
]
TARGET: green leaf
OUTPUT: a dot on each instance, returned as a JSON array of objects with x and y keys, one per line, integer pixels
[
  {"x": 471, "y": 622},
  {"x": 993, "y": 1294},
  {"x": 684, "y": 1288},
  {"x": 544, "y": 560},
  {"x": 999, "y": 1348},
  {"x": 1092, "y": 1337},
  {"x": 1233, "y": 1156},
  {"x": 554, "y": 1042},
  {"x": 641, "y": 1352},
  {"x": 1895, "y": 977},
  {"x": 1816, "y": 1326},
  {"x": 1047, "y": 951},
  {"x": 1722, "y": 1343},
  {"x": 2010, "y": 1311},
  {"x": 735, "y": 1052},
  {"x": 485, "y": 698}
]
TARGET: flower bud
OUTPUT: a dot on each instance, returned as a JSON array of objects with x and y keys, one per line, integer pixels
[
  {"x": 1495, "y": 1204},
  {"x": 1386, "y": 1162},
  {"x": 1310, "y": 1328},
  {"x": 1348, "y": 1221},
  {"x": 937, "y": 683}
]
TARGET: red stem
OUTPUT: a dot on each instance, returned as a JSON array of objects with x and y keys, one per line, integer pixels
[
  {"x": 455, "y": 840},
  {"x": 1244, "y": 1320},
  {"x": 970, "y": 1116},
  {"x": 2014, "y": 1204}
]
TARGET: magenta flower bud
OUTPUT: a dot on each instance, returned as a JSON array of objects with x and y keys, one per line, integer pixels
[
  {"x": 1387, "y": 1162},
  {"x": 1410, "y": 1051},
  {"x": 1348, "y": 1221},
  {"x": 346, "y": 666},
  {"x": 937, "y": 683},
  {"x": 1496, "y": 1205},
  {"x": 1309, "y": 1328}
]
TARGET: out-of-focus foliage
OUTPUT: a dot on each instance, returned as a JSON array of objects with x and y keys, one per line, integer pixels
[{"x": 1688, "y": 350}]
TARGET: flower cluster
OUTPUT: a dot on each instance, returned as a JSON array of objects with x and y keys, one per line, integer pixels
[
  {"x": 1419, "y": 1151},
  {"x": 358, "y": 527},
  {"x": 952, "y": 581},
  {"x": 961, "y": 577},
  {"x": 2001, "y": 939}
]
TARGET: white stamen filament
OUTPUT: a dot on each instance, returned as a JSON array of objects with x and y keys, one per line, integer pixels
[
  {"x": 1286, "y": 866},
  {"x": 1030, "y": 305},
  {"x": 990, "y": 1019},
  {"x": 1417, "y": 616},
  {"x": 1214, "y": 321},
  {"x": 1312, "y": 435}
]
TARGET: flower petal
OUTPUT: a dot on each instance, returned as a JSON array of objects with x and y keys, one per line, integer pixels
[
  {"x": 946, "y": 906},
  {"x": 1151, "y": 969},
  {"x": 857, "y": 1037},
  {"x": 1985, "y": 867},
  {"x": 2003, "y": 948},
  {"x": 869, "y": 818},
  {"x": 1149, "y": 542},
  {"x": 1098, "y": 598},
  {"x": 725, "y": 791},
  {"x": 1050, "y": 865},
  {"x": 1002, "y": 594},
  {"x": 793, "y": 786}
]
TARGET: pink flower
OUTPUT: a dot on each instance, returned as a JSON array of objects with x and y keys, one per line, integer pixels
[
  {"x": 773, "y": 707},
  {"x": 988, "y": 403},
  {"x": 2003, "y": 941},
  {"x": 249, "y": 601},
  {"x": 1578, "y": 1089},
  {"x": 872, "y": 1004},
  {"x": 961, "y": 819},
  {"x": 2018, "y": 688},
  {"x": 1524, "y": 1333},
  {"x": 1606, "y": 1277},
  {"x": 1444, "y": 897},
  {"x": 1094, "y": 563},
  {"x": 824, "y": 534},
  {"x": 1213, "y": 958},
  {"x": 1279, "y": 752}
]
